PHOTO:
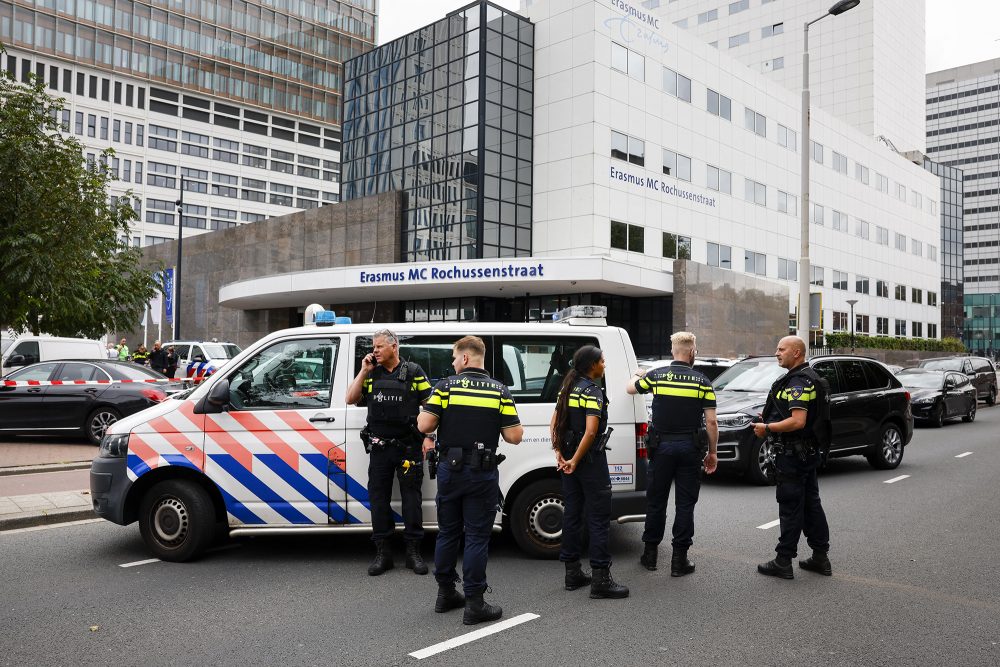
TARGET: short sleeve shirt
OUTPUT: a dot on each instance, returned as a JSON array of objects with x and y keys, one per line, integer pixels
[
  {"x": 472, "y": 408},
  {"x": 680, "y": 397},
  {"x": 587, "y": 399}
]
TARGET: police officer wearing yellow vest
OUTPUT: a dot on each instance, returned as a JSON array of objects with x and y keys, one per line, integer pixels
[
  {"x": 393, "y": 391},
  {"x": 578, "y": 431},
  {"x": 790, "y": 420},
  {"x": 471, "y": 412},
  {"x": 682, "y": 398}
]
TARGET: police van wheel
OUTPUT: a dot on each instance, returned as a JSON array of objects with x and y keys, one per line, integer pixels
[
  {"x": 888, "y": 452},
  {"x": 757, "y": 470},
  {"x": 536, "y": 518},
  {"x": 176, "y": 520}
]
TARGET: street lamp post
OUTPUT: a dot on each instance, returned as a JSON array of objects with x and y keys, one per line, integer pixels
[
  {"x": 180, "y": 257},
  {"x": 851, "y": 303},
  {"x": 805, "y": 276}
]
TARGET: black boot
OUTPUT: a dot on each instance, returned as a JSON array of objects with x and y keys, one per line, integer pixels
[
  {"x": 448, "y": 598},
  {"x": 679, "y": 563},
  {"x": 648, "y": 557},
  {"x": 478, "y": 610},
  {"x": 779, "y": 567},
  {"x": 382, "y": 560},
  {"x": 818, "y": 562},
  {"x": 603, "y": 586},
  {"x": 575, "y": 576},
  {"x": 414, "y": 560}
]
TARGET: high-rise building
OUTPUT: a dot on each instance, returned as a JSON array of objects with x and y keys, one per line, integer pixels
[
  {"x": 963, "y": 114},
  {"x": 239, "y": 100},
  {"x": 866, "y": 65}
]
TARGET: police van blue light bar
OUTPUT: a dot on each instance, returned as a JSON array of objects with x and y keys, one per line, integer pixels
[
  {"x": 590, "y": 312},
  {"x": 326, "y": 318}
]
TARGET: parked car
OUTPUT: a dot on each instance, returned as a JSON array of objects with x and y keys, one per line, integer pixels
[
  {"x": 939, "y": 395},
  {"x": 75, "y": 409},
  {"x": 199, "y": 359},
  {"x": 27, "y": 350},
  {"x": 870, "y": 409},
  {"x": 980, "y": 370}
]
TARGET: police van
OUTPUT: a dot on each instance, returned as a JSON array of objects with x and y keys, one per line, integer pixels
[
  {"x": 196, "y": 360},
  {"x": 267, "y": 444}
]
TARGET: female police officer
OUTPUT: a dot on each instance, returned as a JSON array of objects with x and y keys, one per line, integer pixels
[{"x": 577, "y": 427}]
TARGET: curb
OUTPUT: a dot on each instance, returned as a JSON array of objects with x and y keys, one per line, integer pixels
[
  {"x": 45, "y": 467},
  {"x": 46, "y": 518}
]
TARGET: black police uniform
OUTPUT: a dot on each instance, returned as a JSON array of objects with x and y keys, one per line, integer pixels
[
  {"x": 590, "y": 483},
  {"x": 680, "y": 397},
  {"x": 392, "y": 409},
  {"x": 799, "y": 506},
  {"x": 472, "y": 408}
]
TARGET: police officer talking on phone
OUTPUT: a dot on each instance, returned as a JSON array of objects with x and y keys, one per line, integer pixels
[
  {"x": 471, "y": 412},
  {"x": 682, "y": 398},
  {"x": 393, "y": 391}
]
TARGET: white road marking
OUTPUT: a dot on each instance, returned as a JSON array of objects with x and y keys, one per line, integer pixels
[
  {"x": 960, "y": 456},
  {"x": 473, "y": 636},
  {"x": 49, "y": 526},
  {"x": 770, "y": 524},
  {"x": 140, "y": 562},
  {"x": 895, "y": 479}
]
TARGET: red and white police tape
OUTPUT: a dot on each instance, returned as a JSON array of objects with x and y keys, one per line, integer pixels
[{"x": 52, "y": 383}]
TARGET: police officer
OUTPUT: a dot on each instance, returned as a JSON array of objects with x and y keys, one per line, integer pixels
[
  {"x": 578, "y": 429},
  {"x": 393, "y": 391},
  {"x": 471, "y": 412},
  {"x": 682, "y": 397},
  {"x": 790, "y": 418}
]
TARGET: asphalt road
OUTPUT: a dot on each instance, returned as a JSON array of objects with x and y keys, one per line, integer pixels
[{"x": 915, "y": 583}]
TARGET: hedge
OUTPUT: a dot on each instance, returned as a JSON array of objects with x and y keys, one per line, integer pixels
[{"x": 843, "y": 340}]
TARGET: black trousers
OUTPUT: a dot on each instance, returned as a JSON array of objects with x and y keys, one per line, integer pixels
[
  {"x": 466, "y": 508},
  {"x": 384, "y": 463},
  {"x": 799, "y": 507},
  {"x": 676, "y": 461},
  {"x": 587, "y": 494}
]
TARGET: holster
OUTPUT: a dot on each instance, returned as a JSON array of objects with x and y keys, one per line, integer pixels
[{"x": 366, "y": 439}]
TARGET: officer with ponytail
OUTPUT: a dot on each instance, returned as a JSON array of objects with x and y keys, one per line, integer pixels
[{"x": 579, "y": 432}]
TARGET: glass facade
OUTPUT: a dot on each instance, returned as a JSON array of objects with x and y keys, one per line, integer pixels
[
  {"x": 982, "y": 324},
  {"x": 445, "y": 114},
  {"x": 284, "y": 55},
  {"x": 952, "y": 252}
]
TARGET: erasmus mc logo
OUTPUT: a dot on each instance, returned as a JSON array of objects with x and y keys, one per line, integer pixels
[{"x": 628, "y": 30}]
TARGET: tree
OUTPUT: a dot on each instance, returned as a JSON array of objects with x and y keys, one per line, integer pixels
[{"x": 63, "y": 269}]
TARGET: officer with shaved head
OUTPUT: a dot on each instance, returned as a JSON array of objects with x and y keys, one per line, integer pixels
[{"x": 794, "y": 420}]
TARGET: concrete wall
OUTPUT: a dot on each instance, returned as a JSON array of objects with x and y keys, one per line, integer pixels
[
  {"x": 903, "y": 358},
  {"x": 363, "y": 231},
  {"x": 731, "y": 313}
]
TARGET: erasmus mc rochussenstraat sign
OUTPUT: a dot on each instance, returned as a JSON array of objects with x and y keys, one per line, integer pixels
[{"x": 453, "y": 273}]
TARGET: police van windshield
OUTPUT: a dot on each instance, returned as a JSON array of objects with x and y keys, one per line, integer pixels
[
  {"x": 220, "y": 351},
  {"x": 755, "y": 375}
]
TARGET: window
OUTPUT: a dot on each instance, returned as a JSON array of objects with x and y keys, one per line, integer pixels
[
  {"x": 787, "y": 203},
  {"x": 624, "y": 147},
  {"x": 881, "y": 183},
  {"x": 882, "y": 326},
  {"x": 755, "y": 192},
  {"x": 818, "y": 273},
  {"x": 772, "y": 30},
  {"x": 127, "y": 171},
  {"x": 289, "y": 375},
  {"x": 839, "y": 163},
  {"x": 755, "y": 262},
  {"x": 861, "y": 284},
  {"x": 817, "y": 152},
  {"x": 755, "y": 122},
  {"x": 140, "y": 131},
  {"x": 882, "y": 289},
  {"x": 720, "y": 105},
  {"x": 788, "y": 269},
  {"x": 817, "y": 214},
  {"x": 709, "y": 16},
  {"x": 533, "y": 367},
  {"x": 128, "y": 132},
  {"x": 932, "y": 253},
  {"x": 720, "y": 179},
  {"x": 676, "y": 246},
  {"x": 901, "y": 328},
  {"x": 738, "y": 6},
  {"x": 932, "y": 299},
  {"x": 861, "y": 324},
  {"x": 720, "y": 256},
  {"x": 881, "y": 235},
  {"x": 839, "y": 221},
  {"x": 861, "y": 173},
  {"x": 916, "y": 247},
  {"x": 862, "y": 229},
  {"x": 677, "y": 165},
  {"x": 840, "y": 321},
  {"x": 138, "y": 171},
  {"x": 91, "y": 125},
  {"x": 787, "y": 138},
  {"x": 739, "y": 40},
  {"x": 627, "y": 237},
  {"x": 630, "y": 62},
  {"x": 917, "y": 329},
  {"x": 839, "y": 280},
  {"x": 853, "y": 374},
  {"x": 900, "y": 192},
  {"x": 116, "y": 131},
  {"x": 932, "y": 330},
  {"x": 916, "y": 295},
  {"x": 79, "y": 123},
  {"x": 677, "y": 85},
  {"x": 900, "y": 242},
  {"x": 900, "y": 293},
  {"x": 619, "y": 57}
]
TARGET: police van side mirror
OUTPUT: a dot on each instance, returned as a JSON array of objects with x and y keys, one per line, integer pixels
[
  {"x": 16, "y": 360},
  {"x": 217, "y": 400}
]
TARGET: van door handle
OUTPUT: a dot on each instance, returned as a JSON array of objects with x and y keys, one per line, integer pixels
[{"x": 320, "y": 418}]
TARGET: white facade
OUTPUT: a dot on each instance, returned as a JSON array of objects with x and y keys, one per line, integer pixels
[
  {"x": 234, "y": 175},
  {"x": 867, "y": 65},
  {"x": 879, "y": 211}
]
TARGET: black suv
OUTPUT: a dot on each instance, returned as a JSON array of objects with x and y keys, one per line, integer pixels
[
  {"x": 980, "y": 370},
  {"x": 869, "y": 407}
]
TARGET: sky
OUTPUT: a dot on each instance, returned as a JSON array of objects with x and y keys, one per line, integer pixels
[{"x": 959, "y": 32}]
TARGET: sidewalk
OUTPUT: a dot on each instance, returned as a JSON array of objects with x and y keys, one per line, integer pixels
[
  {"x": 39, "y": 509},
  {"x": 34, "y": 456}
]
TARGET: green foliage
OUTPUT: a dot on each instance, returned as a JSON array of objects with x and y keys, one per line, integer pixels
[
  {"x": 842, "y": 340},
  {"x": 64, "y": 270}
]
